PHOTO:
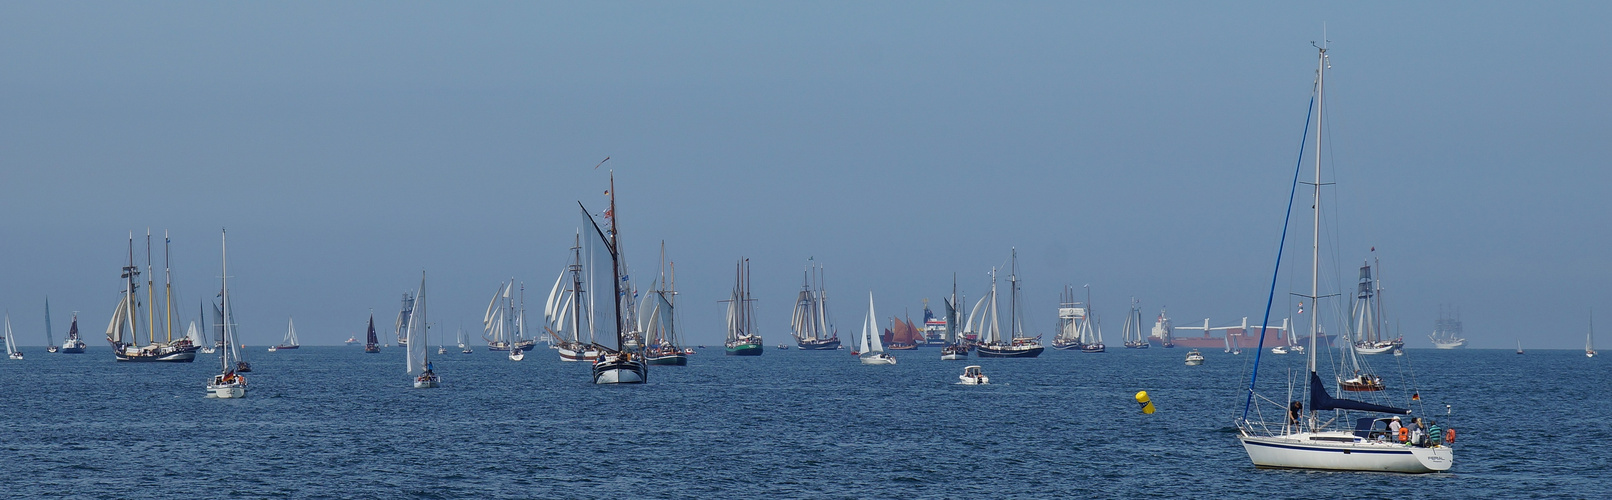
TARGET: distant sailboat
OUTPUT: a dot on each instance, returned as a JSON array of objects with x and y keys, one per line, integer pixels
[
  {"x": 811, "y": 324},
  {"x": 371, "y": 344},
  {"x": 464, "y": 344},
  {"x": 228, "y": 383},
  {"x": 1091, "y": 339},
  {"x": 956, "y": 346},
  {"x": 72, "y": 344},
  {"x": 1367, "y": 316},
  {"x": 1133, "y": 328},
  {"x": 417, "y": 342},
  {"x": 290, "y": 341},
  {"x": 742, "y": 339},
  {"x": 400, "y": 329},
  {"x": 50, "y": 341},
  {"x": 1519, "y": 346},
  {"x": 992, "y": 344},
  {"x": 872, "y": 351},
  {"x": 569, "y": 307},
  {"x": 11, "y": 341},
  {"x": 1073, "y": 321},
  {"x": 665, "y": 347},
  {"x": 1589, "y": 339}
]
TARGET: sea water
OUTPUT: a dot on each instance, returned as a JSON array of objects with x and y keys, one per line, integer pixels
[{"x": 335, "y": 422}]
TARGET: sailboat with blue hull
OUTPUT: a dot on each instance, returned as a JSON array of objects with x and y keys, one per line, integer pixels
[{"x": 1354, "y": 435}]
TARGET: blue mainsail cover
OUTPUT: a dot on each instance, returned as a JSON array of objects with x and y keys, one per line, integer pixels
[{"x": 1320, "y": 400}]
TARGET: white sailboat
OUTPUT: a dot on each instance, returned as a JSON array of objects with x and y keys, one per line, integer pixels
[
  {"x": 290, "y": 340},
  {"x": 1589, "y": 339},
  {"x": 1336, "y": 442},
  {"x": 11, "y": 341},
  {"x": 872, "y": 348},
  {"x": 50, "y": 341},
  {"x": 228, "y": 383},
  {"x": 418, "y": 332}
]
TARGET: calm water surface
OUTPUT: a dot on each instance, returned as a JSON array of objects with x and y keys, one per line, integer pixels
[{"x": 334, "y": 422}]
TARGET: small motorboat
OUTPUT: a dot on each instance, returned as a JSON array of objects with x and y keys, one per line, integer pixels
[
  {"x": 516, "y": 355},
  {"x": 783, "y": 347},
  {"x": 1194, "y": 358},
  {"x": 972, "y": 375},
  {"x": 1279, "y": 350},
  {"x": 468, "y": 350},
  {"x": 954, "y": 352}
]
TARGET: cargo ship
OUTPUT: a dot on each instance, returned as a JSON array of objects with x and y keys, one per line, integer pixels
[{"x": 1240, "y": 336}]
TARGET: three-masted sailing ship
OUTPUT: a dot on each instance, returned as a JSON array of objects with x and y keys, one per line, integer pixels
[
  {"x": 1351, "y": 435},
  {"x": 992, "y": 343},
  {"x": 123, "y": 331},
  {"x": 1132, "y": 333},
  {"x": 742, "y": 338},
  {"x": 1447, "y": 330},
  {"x": 812, "y": 326},
  {"x": 504, "y": 323},
  {"x": 1074, "y": 320},
  {"x": 228, "y": 383},
  {"x": 1367, "y": 318}
]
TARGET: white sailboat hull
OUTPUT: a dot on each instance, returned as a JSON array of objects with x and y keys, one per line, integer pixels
[
  {"x": 569, "y": 354},
  {"x": 226, "y": 391},
  {"x": 426, "y": 384},
  {"x": 878, "y": 359},
  {"x": 1377, "y": 348},
  {"x": 1300, "y": 451}
]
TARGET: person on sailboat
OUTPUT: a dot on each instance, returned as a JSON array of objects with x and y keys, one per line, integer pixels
[
  {"x": 1394, "y": 428},
  {"x": 1294, "y": 411}
]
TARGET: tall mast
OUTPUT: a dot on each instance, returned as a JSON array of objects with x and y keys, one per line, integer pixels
[
  {"x": 131, "y": 296},
  {"x": 167, "y": 291},
  {"x": 223, "y": 357},
  {"x": 151, "y": 316},
  {"x": 1315, "y": 209}
]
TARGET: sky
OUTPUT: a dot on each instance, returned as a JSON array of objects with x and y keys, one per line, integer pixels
[{"x": 1142, "y": 149}]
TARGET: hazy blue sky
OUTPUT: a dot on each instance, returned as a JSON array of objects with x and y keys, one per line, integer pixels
[{"x": 1144, "y": 149}]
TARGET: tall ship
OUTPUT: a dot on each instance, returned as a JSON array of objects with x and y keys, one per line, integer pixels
[
  {"x": 1074, "y": 321},
  {"x": 619, "y": 364},
  {"x": 992, "y": 343},
  {"x": 567, "y": 314},
  {"x": 504, "y": 324},
  {"x": 1311, "y": 428},
  {"x": 123, "y": 332},
  {"x": 812, "y": 326},
  {"x": 1447, "y": 331},
  {"x": 400, "y": 330},
  {"x": 660, "y": 330},
  {"x": 1133, "y": 328},
  {"x": 1367, "y": 319},
  {"x": 742, "y": 338}
]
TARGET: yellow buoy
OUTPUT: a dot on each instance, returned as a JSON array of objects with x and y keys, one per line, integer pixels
[{"x": 1146, "y": 402}]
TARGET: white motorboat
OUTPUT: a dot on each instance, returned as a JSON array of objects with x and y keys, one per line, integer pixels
[
  {"x": 872, "y": 352},
  {"x": 972, "y": 375},
  {"x": 514, "y": 354},
  {"x": 1194, "y": 358},
  {"x": 1279, "y": 350}
]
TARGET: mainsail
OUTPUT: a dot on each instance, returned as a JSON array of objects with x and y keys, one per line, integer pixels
[{"x": 416, "y": 329}]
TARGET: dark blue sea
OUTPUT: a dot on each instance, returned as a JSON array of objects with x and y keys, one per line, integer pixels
[{"x": 333, "y": 422}]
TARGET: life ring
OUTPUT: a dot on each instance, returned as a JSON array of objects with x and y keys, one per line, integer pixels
[
  {"x": 1449, "y": 435},
  {"x": 1404, "y": 434}
]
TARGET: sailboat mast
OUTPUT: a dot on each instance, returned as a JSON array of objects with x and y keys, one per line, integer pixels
[
  {"x": 1315, "y": 209},
  {"x": 167, "y": 291},
  {"x": 131, "y": 296},
  {"x": 151, "y": 316},
  {"x": 223, "y": 245}
]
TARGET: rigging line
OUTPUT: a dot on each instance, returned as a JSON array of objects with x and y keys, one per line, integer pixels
[{"x": 1275, "y": 273}]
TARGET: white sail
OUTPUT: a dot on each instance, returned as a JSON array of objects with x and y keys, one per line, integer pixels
[
  {"x": 870, "y": 331},
  {"x": 114, "y": 329},
  {"x": 417, "y": 331},
  {"x": 194, "y": 334},
  {"x": 11, "y": 341},
  {"x": 290, "y": 333}
]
